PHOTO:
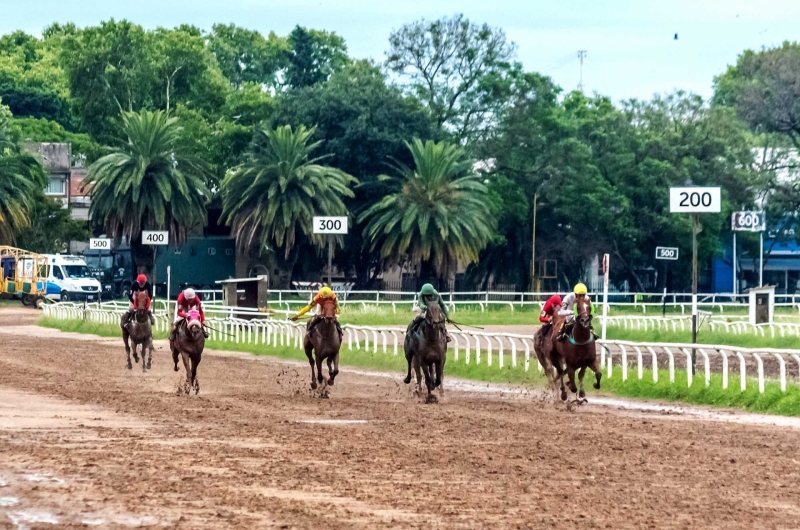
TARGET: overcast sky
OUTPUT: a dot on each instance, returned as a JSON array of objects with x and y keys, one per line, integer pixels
[{"x": 630, "y": 47}]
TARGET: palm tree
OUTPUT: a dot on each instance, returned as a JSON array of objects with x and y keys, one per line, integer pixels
[
  {"x": 439, "y": 214},
  {"x": 275, "y": 194},
  {"x": 22, "y": 180},
  {"x": 149, "y": 182}
]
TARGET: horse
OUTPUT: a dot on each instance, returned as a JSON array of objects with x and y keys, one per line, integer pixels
[
  {"x": 543, "y": 346},
  {"x": 140, "y": 331},
  {"x": 189, "y": 343},
  {"x": 427, "y": 348},
  {"x": 577, "y": 352},
  {"x": 325, "y": 342}
]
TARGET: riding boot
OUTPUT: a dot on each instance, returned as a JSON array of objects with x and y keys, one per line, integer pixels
[
  {"x": 152, "y": 318},
  {"x": 131, "y": 312},
  {"x": 172, "y": 333},
  {"x": 205, "y": 332},
  {"x": 562, "y": 334}
]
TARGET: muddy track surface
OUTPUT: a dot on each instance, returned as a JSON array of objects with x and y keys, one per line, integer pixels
[{"x": 85, "y": 442}]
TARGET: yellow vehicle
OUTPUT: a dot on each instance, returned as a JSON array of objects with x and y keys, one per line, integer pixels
[{"x": 23, "y": 275}]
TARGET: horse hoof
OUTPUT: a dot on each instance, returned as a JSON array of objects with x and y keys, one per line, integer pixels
[
  {"x": 334, "y": 373},
  {"x": 176, "y": 367},
  {"x": 582, "y": 394},
  {"x": 330, "y": 381},
  {"x": 563, "y": 395},
  {"x": 431, "y": 399},
  {"x": 407, "y": 380},
  {"x": 320, "y": 379},
  {"x": 596, "y": 386},
  {"x": 313, "y": 385},
  {"x": 129, "y": 366}
]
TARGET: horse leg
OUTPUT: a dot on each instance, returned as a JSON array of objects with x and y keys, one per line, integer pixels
[
  {"x": 309, "y": 349},
  {"x": 440, "y": 376},
  {"x": 195, "y": 381},
  {"x": 598, "y": 374},
  {"x": 581, "y": 372},
  {"x": 571, "y": 375},
  {"x": 426, "y": 369},
  {"x": 144, "y": 356},
  {"x": 150, "y": 353},
  {"x": 187, "y": 365},
  {"x": 125, "y": 338},
  {"x": 560, "y": 377},
  {"x": 418, "y": 372},
  {"x": 320, "y": 378},
  {"x": 175, "y": 355},
  {"x": 332, "y": 372},
  {"x": 409, "y": 358}
]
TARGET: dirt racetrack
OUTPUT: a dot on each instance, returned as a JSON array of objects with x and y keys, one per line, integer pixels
[{"x": 84, "y": 442}]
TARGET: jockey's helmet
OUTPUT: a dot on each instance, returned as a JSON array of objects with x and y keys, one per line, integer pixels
[
  {"x": 189, "y": 294},
  {"x": 580, "y": 289},
  {"x": 325, "y": 292},
  {"x": 556, "y": 299},
  {"x": 427, "y": 289},
  {"x": 141, "y": 278}
]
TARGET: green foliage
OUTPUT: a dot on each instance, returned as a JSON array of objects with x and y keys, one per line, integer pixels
[
  {"x": 423, "y": 219},
  {"x": 43, "y": 130},
  {"x": 21, "y": 182},
  {"x": 51, "y": 228},
  {"x": 275, "y": 194},
  {"x": 245, "y": 56},
  {"x": 150, "y": 182},
  {"x": 315, "y": 55}
]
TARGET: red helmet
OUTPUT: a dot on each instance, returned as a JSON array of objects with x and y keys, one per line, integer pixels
[
  {"x": 556, "y": 299},
  {"x": 141, "y": 278}
]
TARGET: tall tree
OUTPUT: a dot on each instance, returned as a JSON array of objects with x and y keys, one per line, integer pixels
[
  {"x": 246, "y": 56},
  {"x": 437, "y": 216},
  {"x": 313, "y": 57},
  {"x": 273, "y": 197},
  {"x": 22, "y": 180},
  {"x": 149, "y": 182},
  {"x": 457, "y": 68}
]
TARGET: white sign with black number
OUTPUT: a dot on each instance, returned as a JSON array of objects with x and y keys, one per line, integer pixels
[
  {"x": 330, "y": 225},
  {"x": 99, "y": 243},
  {"x": 155, "y": 237},
  {"x": 666, "y": 253},
  {"x": 694, "y": 199},
  {"x": 748, "y": 221}
]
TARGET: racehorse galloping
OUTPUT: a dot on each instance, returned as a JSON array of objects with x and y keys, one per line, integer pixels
[
  {"x": 579, "y": 352},
  {"x": 543, "y": 346},
  {"x": 189, "y": 343},
  {"x": 325, "y": 342},
  {"x": 139, "y": 331},
  {"x": 426, "y": 347}
]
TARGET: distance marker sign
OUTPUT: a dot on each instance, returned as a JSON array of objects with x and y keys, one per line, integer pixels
[
  {"x": 155, "y": 237},
  {"x": 99, "y": 243},
  {"x": 670, "y": 253},
  {"x": 330, "y": 225},
  {"x": 695, "y": 199}
]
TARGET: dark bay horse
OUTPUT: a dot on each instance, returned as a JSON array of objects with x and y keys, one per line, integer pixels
[
  {"x": 140, "y": 332},
  {"x": 325, "y": 342},
  {"x": 577, "y": 352},
  {"x": 426, "y": 348},
  {"x": 189, "y": 343}
]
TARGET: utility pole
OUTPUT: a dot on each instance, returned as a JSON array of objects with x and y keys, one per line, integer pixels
[
  {"x": 533, "y": 246},
  {"x": 581, "y": 56},
  {"x": 695, "y": 230}
]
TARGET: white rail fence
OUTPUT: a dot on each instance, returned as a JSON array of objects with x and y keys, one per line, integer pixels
[
  {"x": 502, "y": 350},
  {"x": 732, "y": 325}
]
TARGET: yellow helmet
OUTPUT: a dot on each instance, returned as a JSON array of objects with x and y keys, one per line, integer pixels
[
  {"x": 325, "y": 292},
  {"x": 580, "y": 289}
]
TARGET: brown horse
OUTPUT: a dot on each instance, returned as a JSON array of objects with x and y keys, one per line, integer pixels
[
  {"x": 577, "y": 352},
  {"x": 139, "y": 331},
  {"x": 325, "y": 342},
  {"x": 426, "y": 348},
  {"x": 543, "y": 346},
  {"x": 189, "y": 343}
]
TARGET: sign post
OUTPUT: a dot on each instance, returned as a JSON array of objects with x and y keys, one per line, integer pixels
[
  {"x": 156, "y": 238},
  {"x": 749, "y": 221},
  {"x": 605, "y": 296},
  {"x": 666, "y": 254},
  {"x": 694, "y": 200},
  {"x": 330, "y": 226}
]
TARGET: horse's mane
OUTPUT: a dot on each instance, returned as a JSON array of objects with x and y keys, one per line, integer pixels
[{"x": 328, "y": 307}]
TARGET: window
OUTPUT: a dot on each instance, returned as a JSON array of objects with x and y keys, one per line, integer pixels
[
  {"x": 229, "y": 252},
  {"x": 212, "y": 251},
  {"x": 57, "y": 186},
  {"x": 57, "y": 273},
  {"x": 77, "y": 271}
]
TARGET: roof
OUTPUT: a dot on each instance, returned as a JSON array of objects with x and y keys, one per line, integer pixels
[{"x": 243, "y": 280}]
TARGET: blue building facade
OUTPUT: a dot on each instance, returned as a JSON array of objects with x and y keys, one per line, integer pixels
[{"x": 781, "y": 267}]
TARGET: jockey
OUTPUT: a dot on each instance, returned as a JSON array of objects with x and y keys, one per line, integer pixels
[
  {"x": 567, "y": 309},
  {"x": 138, "y": 285},
  {"x": 552, "y": 305},
  {"x": 425, "y": 296},
  {"x": 187, "y": 300},
  {"x": 326, "y": 293}
]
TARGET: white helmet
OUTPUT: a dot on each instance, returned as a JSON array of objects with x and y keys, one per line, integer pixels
[{"x": 189, "y": 294}]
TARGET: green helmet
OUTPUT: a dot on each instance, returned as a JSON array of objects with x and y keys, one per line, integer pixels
[{"x": 427, "y": 289}]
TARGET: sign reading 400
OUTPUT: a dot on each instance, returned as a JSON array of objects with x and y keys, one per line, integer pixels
[
  {"x": 155, "y": 237},
  {"x": 330, "y": 225}
]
